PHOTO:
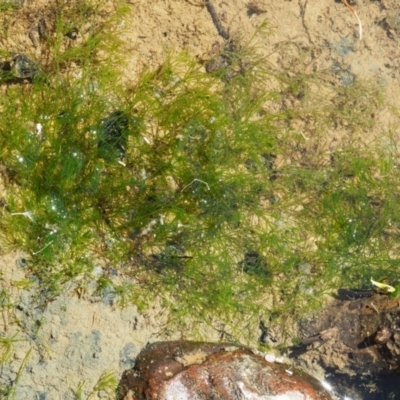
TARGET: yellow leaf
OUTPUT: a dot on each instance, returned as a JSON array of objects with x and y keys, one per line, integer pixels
[{"x": 383, "y": 286}]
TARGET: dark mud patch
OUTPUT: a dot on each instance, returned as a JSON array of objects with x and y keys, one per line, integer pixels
[{"x": 356, "y": 342}]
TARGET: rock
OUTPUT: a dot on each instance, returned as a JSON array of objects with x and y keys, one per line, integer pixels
[
  {"x": 113, "y": 135},
  {"x": 356, "y": 339},
  {"x": 223, "y": 63},
  {"x": 393, "y": 20},
  {"x": 72, "y": 33},
  {"x": 254, "y": 264},
  {"x": 127, "y": 355},
  {"x": 23, "y": 67},
  {"x": 189, "y": 370},
  {"x": 5, "y": 71}
]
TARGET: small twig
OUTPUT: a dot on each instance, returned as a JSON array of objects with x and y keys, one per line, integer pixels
[
  {"x": 303, "y": 13},
  {"x": 373, "y": 306},
  {"x": 47, "y": 245},
  {"x": 221, "y": 31},
  {"x": 304, "y": 136},
  {"x": 355, "y": 14},
  {"x": 196, "y": 180},
  {"x": 26, "y": 214}
]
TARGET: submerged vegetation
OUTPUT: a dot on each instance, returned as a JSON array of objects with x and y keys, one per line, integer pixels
[{"x": 224, "y": 194}]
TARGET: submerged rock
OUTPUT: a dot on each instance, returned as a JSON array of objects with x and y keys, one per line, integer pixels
[
  {"x": 23, "y": 67},
  {"x": 112, "y": 135},
  {"x": 190, "y": 371},
  {"x": 356, "y": 341}
]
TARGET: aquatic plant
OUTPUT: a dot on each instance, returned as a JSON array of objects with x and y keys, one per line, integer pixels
[{"x": 215, "y": 193}]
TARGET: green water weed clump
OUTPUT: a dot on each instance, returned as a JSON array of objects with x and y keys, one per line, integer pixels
[{"x": 211, "y": 192}]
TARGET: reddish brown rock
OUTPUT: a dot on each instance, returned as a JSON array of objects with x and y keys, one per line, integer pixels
[{"x": 192, "y": 371}]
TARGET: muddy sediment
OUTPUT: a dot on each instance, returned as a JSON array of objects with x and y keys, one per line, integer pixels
[{"x": 356, "y": 342}]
